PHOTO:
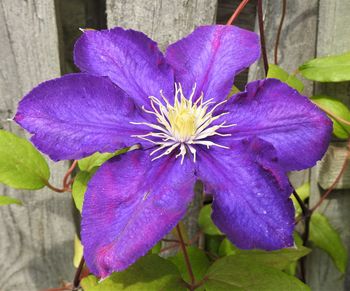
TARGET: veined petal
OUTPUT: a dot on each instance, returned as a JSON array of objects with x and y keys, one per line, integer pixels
[
  {"x": 210, "y": 57},
  {"x": 270, "y": 109},
  {"x": 129, "y": 58},
  {"x": 130, "y": 204},
  {"x": 76, "y": 115},
  {"x": 251, "y": 194}
]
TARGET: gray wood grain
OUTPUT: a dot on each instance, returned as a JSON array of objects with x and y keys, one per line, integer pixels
[
  {"x": 298, "y": 38},
  {"x": 329, "y": 168},
  {"x": 36, "y": 241},
  {"x": 333, "y": 30},
  {"x": 163, "y": 20}
]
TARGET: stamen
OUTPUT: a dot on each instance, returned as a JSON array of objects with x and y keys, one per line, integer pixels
[{"x": 184, "y": 124}]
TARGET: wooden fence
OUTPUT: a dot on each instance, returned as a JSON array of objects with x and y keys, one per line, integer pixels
[{"x": 36, "y": 38}]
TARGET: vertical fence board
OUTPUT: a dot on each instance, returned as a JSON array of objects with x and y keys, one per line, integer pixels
[
  {"x": 298, "y": 37},
  {"x": 333, "y": 32},
  {"x": 36, "y": 241},
  {"x": 163, "y": 20}
]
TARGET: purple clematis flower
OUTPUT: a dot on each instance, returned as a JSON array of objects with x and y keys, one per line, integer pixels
[{"x": 175, "y": 106}]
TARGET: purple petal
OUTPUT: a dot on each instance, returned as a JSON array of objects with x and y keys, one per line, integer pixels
[
  {"x": 129, "y": 58},
  {"x": 272, "y": 110},
  {"x": 211, "y": 56},
  {"x": 251, "y": 194},
  {"x": 130, "y": 204},
  {"x": 76, "y": 115}
]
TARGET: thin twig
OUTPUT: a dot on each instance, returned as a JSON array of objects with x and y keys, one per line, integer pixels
[
  {"x": 306, "y": 215},
  {"x": 68, "y": 173},
  {"x": 169, "y": 248},
  {"x": 284, "y": 8},
  {"x": 262, "y": 36},
  {"x": 66, "y": 184},
  {"x": 76, "y": 281},
  {"x": 53, "y": 188},
  {"x": 237, "y": 12},
  {"x": 187, "y": 259}
]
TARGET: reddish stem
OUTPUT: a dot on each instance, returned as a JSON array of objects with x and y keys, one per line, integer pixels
[
  {"x": 76, "y": 281},
  {"x": 69, "y": 172},
  {"x": 284, "y": 8},
  {"x": 66, "y": 183},
  {"x": 53, "y": 188},
  {"x": 237, "y": 12},
  {"x": 262, "y": 36},
  {"x": 187, "y": 259}
]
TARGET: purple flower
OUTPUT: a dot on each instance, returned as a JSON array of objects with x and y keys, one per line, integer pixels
[{"x": 175, "y": 106}]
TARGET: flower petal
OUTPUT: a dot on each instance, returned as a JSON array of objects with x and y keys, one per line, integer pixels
[
  {"x": 76, "y": 115},
  {"x": 210, "y": 57},
  {"x": 129, "y": 58},
  {"x": 251, "y": 194},
  {"x": 272, "y": 110},
  {"x": 130, "y": 204}
]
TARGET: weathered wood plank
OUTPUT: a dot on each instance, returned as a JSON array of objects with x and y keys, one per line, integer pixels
[
  {"x": 298, "y": 38},
  {"x": 36, "y": 242},
  {"x": 330, "y": 167},
  {"x": 163, "y": 20},
  {"x": 332, "y": 39}
]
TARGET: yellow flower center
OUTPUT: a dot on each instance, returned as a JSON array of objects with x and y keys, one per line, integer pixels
[{"x": 182, "y": 119}]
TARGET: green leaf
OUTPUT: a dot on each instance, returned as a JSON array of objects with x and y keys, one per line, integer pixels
[
  {"x": 21, "y": 165},
  {"x": 277, "y": 72},
  {"x": 304, "y": 193},
  {"x": 338, "y": 109},
  {"x": 79, "y": 188},
  {"x": 5, "y": 200},
  {"x": 213, "y": 242},
  {"x": 151, "y": 273},
  {"x": 156, "y": 249},
  {"x": 199, "y": 263},
  {"x": 205, "y": 222},
  {"x": 279, "y": 259},
  {"x": 89, "y": 282},
  {"x": 234, "y": 273},
  {"x": 327, "y": 69},
  {"x": 324, "y": 236},
  {"x": 234, "y": 90},
  {"x": 227, "y": 248},
  {"x": 97, "y": 159}
]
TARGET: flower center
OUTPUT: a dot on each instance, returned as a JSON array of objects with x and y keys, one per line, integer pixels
[{"x": 183, "y": 124}]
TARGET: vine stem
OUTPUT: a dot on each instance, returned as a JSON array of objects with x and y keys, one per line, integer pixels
[
  {"x": 284, "y": 8},
  {"x": 76, "y": 281},
  {"x": 262, "y": 36},
  {"x": 68, "y": 173},
  {"x": 66, "y": 183},
  {"x": 53, "y": 188},
  {"x": 237, "y": 12},
  {"x": 187, "y": 259}
]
